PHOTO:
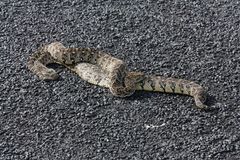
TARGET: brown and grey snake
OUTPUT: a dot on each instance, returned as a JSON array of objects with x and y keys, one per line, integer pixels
[{"x": 102, "y": 69}]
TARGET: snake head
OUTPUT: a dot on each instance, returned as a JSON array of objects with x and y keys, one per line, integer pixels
[{"x": 200, "y": 99}]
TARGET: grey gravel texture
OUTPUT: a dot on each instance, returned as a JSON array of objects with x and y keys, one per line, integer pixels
[{"x": 71, "y": 119}]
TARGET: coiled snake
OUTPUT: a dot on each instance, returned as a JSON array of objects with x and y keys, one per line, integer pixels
[{"x": 101, "y": 69}]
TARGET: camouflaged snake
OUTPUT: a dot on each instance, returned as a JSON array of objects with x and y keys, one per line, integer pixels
[{"x": 102, "y": 69}]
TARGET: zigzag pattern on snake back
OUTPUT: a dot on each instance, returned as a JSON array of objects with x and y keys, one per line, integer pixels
[{"x": 104, "y": 70}]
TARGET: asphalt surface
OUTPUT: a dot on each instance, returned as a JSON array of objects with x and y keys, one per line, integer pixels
[{"x": 71, "y": 119}]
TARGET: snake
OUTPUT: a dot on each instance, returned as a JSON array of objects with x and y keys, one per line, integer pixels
[{"x": 102, "y": 69}]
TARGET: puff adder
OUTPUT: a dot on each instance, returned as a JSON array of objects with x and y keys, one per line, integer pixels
[{"x": 102, "y": 69}]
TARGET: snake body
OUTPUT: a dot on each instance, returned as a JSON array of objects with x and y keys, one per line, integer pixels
[{"x": 101, "y": 69}]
